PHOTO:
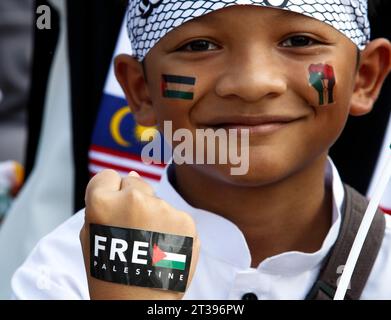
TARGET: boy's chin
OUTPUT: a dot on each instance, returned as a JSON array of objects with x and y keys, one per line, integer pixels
[{"x": 256, "y": 175}]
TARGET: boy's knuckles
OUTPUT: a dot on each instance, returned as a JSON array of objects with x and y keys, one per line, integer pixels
[
  {"x": 134, "y": 197},
  {"x": 106, "y": 178},
  {"x": 138, "y": 184},
  {"x": 132, "y": 208},
  {"x": 147, "y": 188},
  {"x": 99, "y": 199}
]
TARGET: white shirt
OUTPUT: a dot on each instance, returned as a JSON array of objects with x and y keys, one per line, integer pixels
[{"x": 55, "y": 269}]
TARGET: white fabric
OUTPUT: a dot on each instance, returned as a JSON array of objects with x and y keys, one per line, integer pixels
[
  {"x": 55, "y": 269},
  {"x": 123, "y": 46},
  {"x": 381, "y": 162},
  {"x": 46, "y": 199},
  {"x": 150, "y": 20}
]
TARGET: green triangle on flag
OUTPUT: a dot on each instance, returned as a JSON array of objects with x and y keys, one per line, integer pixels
[{"x": 168, "y": 260}]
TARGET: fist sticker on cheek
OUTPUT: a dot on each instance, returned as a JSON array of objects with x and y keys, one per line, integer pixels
[
  {"x": 140, "y": 258},
  {"x": 322, "y": 79},
  {"x": 178, "y": 87}
]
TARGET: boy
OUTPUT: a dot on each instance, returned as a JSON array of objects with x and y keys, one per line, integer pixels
[{"x": 288, "y": 73}]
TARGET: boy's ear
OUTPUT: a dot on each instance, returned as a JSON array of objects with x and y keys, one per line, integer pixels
[
  {"x": 130, "y": 75},
  {"x": 374, "y": 66}
]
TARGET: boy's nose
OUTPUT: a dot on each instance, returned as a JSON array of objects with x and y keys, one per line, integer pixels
[{"x": 252, "y": 77}]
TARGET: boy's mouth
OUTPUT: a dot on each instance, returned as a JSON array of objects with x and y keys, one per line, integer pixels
[{"x": 255, "y": 124}]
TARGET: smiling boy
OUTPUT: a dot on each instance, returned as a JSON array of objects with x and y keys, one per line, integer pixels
[{"x": 289, "y": 72}]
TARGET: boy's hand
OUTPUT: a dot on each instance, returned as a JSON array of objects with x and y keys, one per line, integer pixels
[{"x": 130, "y": 203}]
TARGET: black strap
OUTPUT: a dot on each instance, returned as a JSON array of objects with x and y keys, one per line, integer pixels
[{"x": 354, "y": 208}]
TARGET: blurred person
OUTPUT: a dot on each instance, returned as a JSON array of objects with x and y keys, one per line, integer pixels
[{"x": 16, "y": 30}]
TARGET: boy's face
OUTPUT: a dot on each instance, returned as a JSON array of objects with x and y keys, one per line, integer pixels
[{"x": 251, "y": 66}]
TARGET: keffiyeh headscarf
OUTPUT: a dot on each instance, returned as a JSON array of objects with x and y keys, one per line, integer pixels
[{"x": 150, "y": 20}]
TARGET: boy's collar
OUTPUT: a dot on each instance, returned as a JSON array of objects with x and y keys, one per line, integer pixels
[{"x": 213, "y": 230}]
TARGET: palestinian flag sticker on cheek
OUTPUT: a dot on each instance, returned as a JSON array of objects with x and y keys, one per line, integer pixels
[
  {"x": 178, "y": 87},
  {"x": 322, "y": 79}
]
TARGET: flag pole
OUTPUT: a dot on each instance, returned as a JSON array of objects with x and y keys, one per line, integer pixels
[{"x": 363, "y": 230}]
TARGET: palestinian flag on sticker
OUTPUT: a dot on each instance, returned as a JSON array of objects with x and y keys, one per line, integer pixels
[
  {"x": 168, "y": 260},
  {"x": 178, "y": 87}
]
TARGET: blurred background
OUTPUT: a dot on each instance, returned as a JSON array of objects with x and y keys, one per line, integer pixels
[
  {"x": 56, "y": 83},
  {"x": 16, "y": 48}
]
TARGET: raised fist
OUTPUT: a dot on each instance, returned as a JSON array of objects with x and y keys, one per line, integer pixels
[{"x": 130, "y": 203}]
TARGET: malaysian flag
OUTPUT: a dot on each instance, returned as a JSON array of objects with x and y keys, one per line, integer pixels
[{"x": 116, "y": 141}]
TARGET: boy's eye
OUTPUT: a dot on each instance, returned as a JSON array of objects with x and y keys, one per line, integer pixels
[
  {"x": 199, "y": 45},
  {"x": 298, "y": 41}
]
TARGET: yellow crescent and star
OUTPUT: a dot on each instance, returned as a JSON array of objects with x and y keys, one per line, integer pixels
[{"x": 115, "y": 125}]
